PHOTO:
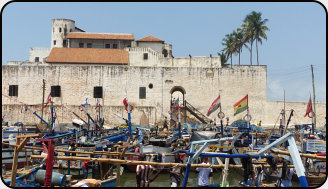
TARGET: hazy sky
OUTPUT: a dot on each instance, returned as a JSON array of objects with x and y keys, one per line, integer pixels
[{"x": 297, "y": 36}]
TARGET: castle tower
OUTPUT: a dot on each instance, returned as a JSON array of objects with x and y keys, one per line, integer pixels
[{"x": 60, "y": 29}]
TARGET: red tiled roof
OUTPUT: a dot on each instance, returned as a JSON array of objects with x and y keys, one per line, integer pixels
[
  {"x": 150, "y": 38},
  {"x": 88, "y": 55},
  {"x": 75, "y": 35}
]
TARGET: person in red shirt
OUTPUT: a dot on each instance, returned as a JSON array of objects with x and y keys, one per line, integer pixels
[{"x": 86, "y": 165}]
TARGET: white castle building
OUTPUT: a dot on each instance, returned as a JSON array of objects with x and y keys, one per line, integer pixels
[{"x": 107, "y": 66}]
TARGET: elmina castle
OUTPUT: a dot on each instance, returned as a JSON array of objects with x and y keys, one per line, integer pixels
[{"x": 109, "y": 66}]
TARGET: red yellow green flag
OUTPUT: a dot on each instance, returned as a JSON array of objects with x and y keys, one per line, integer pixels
[{"x": 241, "y": 105}]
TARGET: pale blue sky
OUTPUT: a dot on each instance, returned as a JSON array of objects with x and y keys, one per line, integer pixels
[{"x": 297, "y": 36}]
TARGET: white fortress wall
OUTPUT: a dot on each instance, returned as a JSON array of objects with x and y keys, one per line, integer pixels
[
  {"x": 136, "y": 58},
  {"x": 41, "y": 52},
  {"x": 156, "y": 46},
  {"x": 99, "y": 43},
  {"x": 273, "y": 109},
  {"x": 77, "y": 83}
]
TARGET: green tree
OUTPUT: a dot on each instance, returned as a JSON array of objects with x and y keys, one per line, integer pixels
[
  {"x": 254, "y": 30},
  {"x": 229, "y": 46},
  {"x": 238, "y": 40},
  {"x": 223, "y": 58}
]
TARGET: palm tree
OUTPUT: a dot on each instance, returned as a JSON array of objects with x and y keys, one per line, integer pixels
[
  {"x": 229, "y": 46},
  {"x": 238, "y": 40},
  {"x": 254, "y": 27},
  {"x": 223, "y": 58},
  {"x": 248, "y": 36}
]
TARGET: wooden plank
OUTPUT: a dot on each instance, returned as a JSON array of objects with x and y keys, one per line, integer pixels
[
  {"x": 15, "y": 164},
  {"x": 30, "y": 135}
]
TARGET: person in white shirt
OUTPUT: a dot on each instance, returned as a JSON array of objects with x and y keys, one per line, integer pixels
[{"x": 204, "y": 174}]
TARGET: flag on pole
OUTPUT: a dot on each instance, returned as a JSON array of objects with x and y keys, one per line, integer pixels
[
  {"x": 23, "y": 108},
  {"x": 126, "y": 103},
  {"x": 48, "y": 100},
  {"x": 85, "y": 104},
  {"x": 241, "y": 105},
  {"x": 215, "y": 105},
  {"x": 97, "y": 105},
  {"x": 175, "y": 106},
  {"x": 309, "y": 109}
]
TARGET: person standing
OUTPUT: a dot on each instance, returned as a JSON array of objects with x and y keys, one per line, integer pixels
[
  {"x": 204, "y": 174},
  {"x": 165, "y": 125},
  {"x": 143, "y": 173},
  {"x": 176, "y": 172},
  {"x": 86, "y": 165}
]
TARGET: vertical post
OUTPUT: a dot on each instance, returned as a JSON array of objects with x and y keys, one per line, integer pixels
[
  {"x": 129, "y": 118},
  {"x": 284, "y": 110},
  {"x": 248, "y": 122},
  {"x": 225, "y": 172},
  {"x": 118, "y": 175},
  {"x": 313, "y": 115},
  {"x": 221, "y": 127},
  {"x": 185, "y": 179},
  {"x": 15, "y": 163},
  {"x": 297, "y": 161},
  {"x": 221, "y": 115},
  {"x": 43, "y": 87},
  {"x": 52, "y": 116},
  {"x": 179, "y": 125}
]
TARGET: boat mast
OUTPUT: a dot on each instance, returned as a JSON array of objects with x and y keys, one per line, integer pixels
[
  {"x": 313, "y": 115},
  {"x": 43, "y": 89}
]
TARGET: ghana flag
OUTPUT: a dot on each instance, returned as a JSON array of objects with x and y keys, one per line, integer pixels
[{"x": 241, "y": 105}]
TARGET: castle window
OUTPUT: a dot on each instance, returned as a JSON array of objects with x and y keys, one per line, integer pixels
[
  {"x": 97, "y": 92},
  {"x": 55, "y": 91},
  {"x": 145, "y": 56},
  {"x": 114, "y": 46},
  {"x": 70, "y": 30},
  {"x": 89, "y": 45},
  {"x": 142, "y": 92},
  {"x": 107, "y": 46},
  {"x": 59, "y": 30},
  {"x": 13, "y": 90},
  {"x": 164, "y": 52},
  {"x": 64, "y": 43},
  {"x": 150, "y": 85},
  {"x": 36, "y": 59},
  {"x": 54, "y": 42},
  {"x": 81, "y": 45},
  {"x": 65, "y": 31}
]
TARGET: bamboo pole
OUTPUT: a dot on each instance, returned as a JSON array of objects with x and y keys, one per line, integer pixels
[
  {"x": 131, "y": 162},
  {"x": 94, "y": 152},
  {"x": 136, "y": 154},
  {"x": 302, "y": 155}
]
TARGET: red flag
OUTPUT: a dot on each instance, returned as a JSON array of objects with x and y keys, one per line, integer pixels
[
  {"x": 215, "y": 105},
  {"x": 48, "y": 100},
  {"x": 309, "y": 109},
  {"x": 125, "y": 102}
]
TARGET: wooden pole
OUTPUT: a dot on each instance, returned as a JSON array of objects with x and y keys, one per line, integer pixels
[
  {"x": 130, "y": 162},
  {"x": 15, "y": 163},
  {"x": 302, "y": 155},
  {"x": 136, "y": 154},
  {"x": 314, "y": 116},
  {"x": 43, "y": 89},
  {"x": 18, "y": 147}
]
